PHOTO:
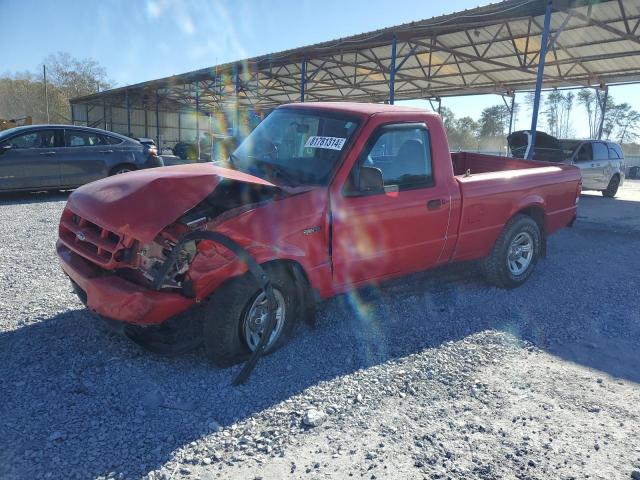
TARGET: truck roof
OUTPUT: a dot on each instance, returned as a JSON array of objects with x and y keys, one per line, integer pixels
[{"x": 360, "y": 109}]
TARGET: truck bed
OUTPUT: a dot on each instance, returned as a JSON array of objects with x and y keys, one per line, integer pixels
[
  {"x": 481, "y": 163},
  {"x": 494, "y": 188}
]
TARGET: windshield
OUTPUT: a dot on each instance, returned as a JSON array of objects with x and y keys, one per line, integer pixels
[{"x": 294, "y": 147}]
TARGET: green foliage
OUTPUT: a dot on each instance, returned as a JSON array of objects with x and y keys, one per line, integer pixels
[{"x": 494, "y": 121}]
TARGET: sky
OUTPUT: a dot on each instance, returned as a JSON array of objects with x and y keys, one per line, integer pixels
[{"x": 140, "y": 40}]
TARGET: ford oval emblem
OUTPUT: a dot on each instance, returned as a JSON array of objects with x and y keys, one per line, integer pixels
[{"x": 80, "y": 236}]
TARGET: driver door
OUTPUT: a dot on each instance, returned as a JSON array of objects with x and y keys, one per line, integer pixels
[{"x": 396, "y": 230}]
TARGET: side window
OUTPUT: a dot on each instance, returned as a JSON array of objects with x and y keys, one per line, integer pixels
[
  {"x": 37, "y": 139},
  {"x": 585, "y": 153},
  {"x": 614, "y": 152},
  {"x": 109, "y": 140},
  {"x": 76, "y": 138},
  {"x": 403, "y": 155},
  {"x": 600, "y": 151}
]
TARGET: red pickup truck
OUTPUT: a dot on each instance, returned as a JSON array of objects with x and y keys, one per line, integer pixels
[{"x": 325, "y": 197}]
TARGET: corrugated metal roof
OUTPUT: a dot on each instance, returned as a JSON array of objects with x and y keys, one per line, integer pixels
[{"x": 490, "y": 49}]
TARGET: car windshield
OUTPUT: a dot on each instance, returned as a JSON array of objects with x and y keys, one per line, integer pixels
[{"x": 295, "y": 147}]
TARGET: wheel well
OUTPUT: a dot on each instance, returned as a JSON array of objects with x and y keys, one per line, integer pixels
[
  {"x": 537, "y": 213},
  {"x": 538, "y": 216},
  {"x": 114, "y": 169},
  {"x": 304, "y": 290}
]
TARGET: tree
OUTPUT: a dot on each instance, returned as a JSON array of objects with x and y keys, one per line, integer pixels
[
  {"x": 621, "y": 121},
  {"x": 558, "y": 113},
  {"x": 463, "y": 133},
  {"x": 22, "y": 94},
  {"x": 588, "y": 99},
  {"x": 494, "y": 121},
  {"x": 75, "y": 77},
  {"x": 448, "y": 118}
]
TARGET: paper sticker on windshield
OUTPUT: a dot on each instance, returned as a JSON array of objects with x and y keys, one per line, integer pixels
[{"x": 332, "y": 143}]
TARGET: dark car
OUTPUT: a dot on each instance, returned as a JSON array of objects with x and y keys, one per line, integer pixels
[
  {"x": 189, "y": 151},
  {"x": 547, "y": 148},
  {"x": 64, "y": 156},
  {"x": 208, "y": 143}
]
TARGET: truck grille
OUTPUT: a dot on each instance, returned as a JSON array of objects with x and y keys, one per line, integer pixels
[{"x": 101, "y": 246}]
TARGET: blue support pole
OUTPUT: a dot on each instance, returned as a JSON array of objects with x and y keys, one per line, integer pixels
[
  {"x": 392, "y": 77},
  {"x": 303, "y": 78},
  {"x": 158, "y": 120},
  {"x": 126, "y": 94},
  {"x": 536, "y": 99}
]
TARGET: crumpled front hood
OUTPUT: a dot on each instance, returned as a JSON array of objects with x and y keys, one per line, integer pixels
[{"x": 142, "y": 203}]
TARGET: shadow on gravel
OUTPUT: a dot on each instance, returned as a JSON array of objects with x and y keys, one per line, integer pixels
[
  {"x": 616, "y": 214},
  {"x": 76, "y": 395},
  {"x": 19, "y": 198}
]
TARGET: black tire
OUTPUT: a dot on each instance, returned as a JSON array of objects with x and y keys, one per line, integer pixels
[
  {"x": 222, "y": 327},
  {"x": 612, "y": 188},
  {"x": 122, "y": 168},
  {"x": 495, "y": 267}
]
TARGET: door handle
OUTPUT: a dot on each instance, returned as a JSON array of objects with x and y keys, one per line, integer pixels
[
  {"x": 434, "y": 204},
  {"x": 48, "y": 153},
  {"x": 106, "y": 151}
]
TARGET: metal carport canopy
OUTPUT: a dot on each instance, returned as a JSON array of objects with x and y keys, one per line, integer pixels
[{"x": 489, "y": 49}]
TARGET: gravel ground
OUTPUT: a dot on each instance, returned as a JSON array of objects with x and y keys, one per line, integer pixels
[{"x": 434, "y": 376}]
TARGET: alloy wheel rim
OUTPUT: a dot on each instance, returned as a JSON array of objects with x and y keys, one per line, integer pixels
[
  {"x": 255, "y": 319},
  {"x": 520, "y": 254}
]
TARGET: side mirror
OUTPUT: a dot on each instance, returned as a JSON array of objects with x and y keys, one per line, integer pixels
[
  {"x": 371, "y": 180},
  {"x": 5, "y": 148}
]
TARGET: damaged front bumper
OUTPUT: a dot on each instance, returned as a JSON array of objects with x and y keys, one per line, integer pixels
[{"x": 115, "y": 298}]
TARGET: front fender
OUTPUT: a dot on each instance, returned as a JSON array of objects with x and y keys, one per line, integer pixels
[{"x": 214, "y": 265}]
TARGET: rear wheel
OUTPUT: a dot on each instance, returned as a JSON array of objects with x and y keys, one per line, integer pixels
[
  {"x": 612, "y": 188},
  {"x": 515, "y": 253},
  {"x": 119, "y": 169},
  {"x": 237, "y": 315}
]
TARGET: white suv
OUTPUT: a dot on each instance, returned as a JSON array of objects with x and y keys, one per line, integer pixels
[{"x": 601, "y": 164}]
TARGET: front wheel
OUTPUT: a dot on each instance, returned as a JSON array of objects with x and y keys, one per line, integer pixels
[
  {"x": 237, "y": 315},
  {"x": 612, "y": 188},
  {"x": 515, "y": 253}
]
